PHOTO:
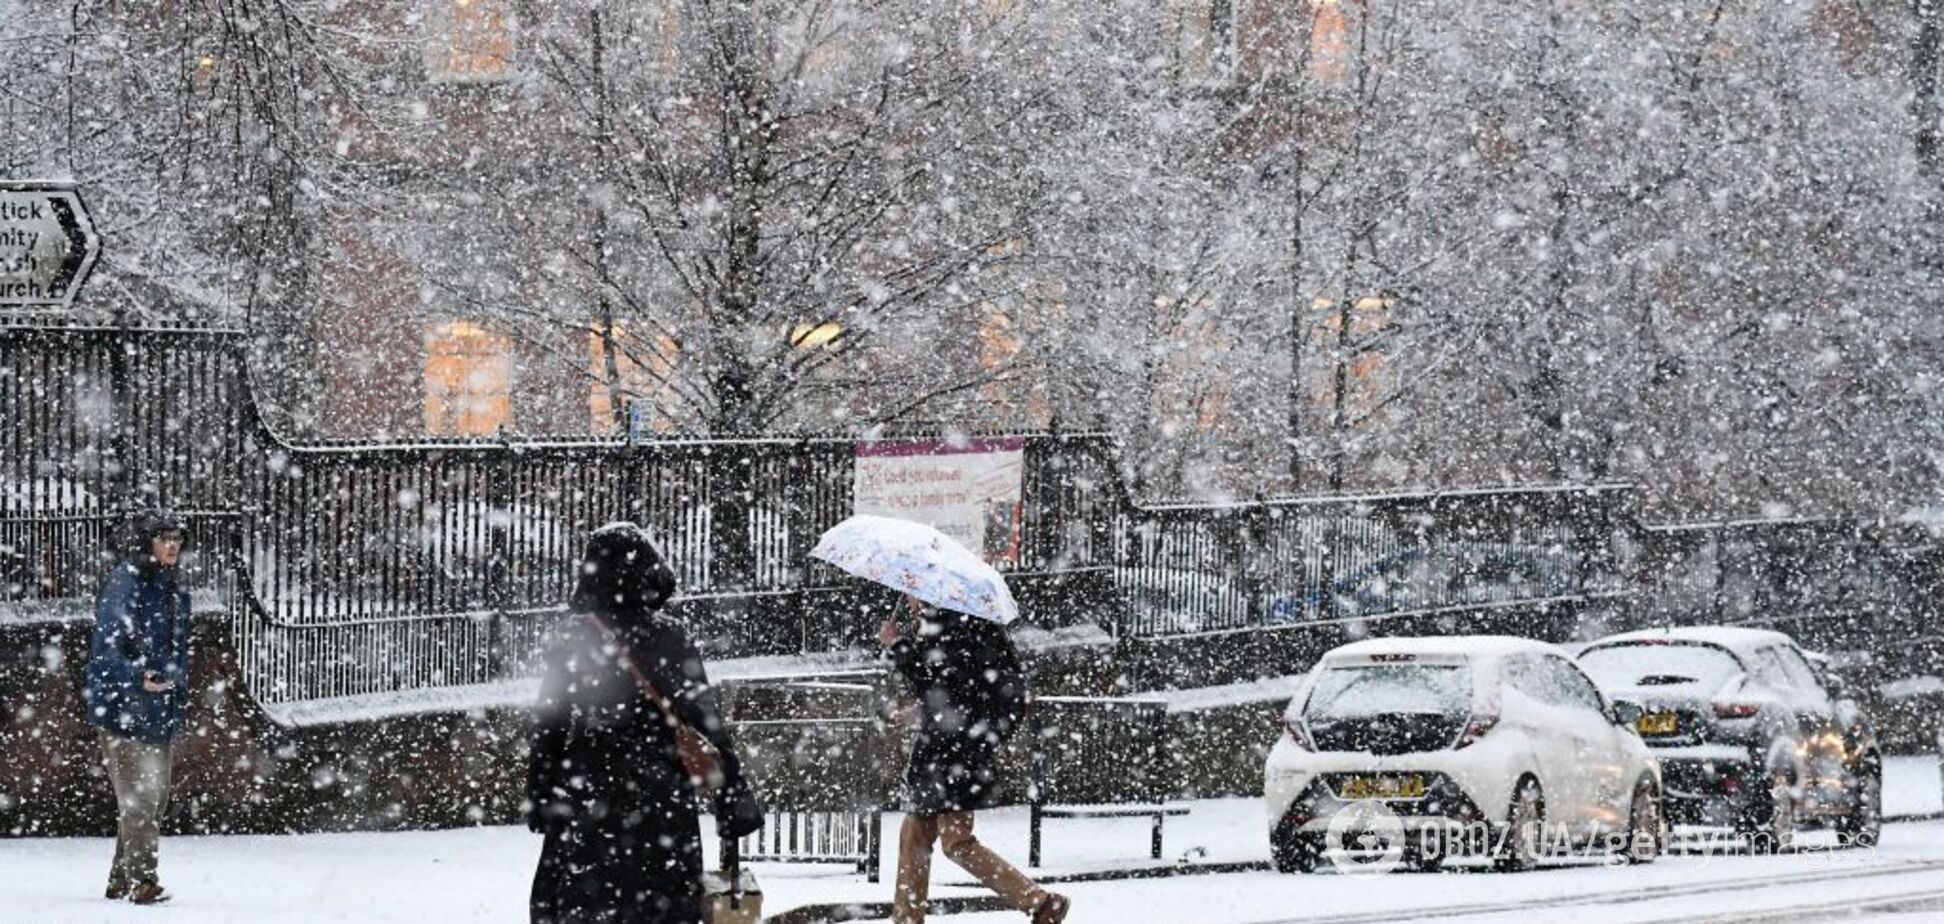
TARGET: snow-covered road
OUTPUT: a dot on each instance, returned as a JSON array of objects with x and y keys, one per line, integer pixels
[
  {"x": 1907, "y": 868},
  {"x": 480, "y": 876}
]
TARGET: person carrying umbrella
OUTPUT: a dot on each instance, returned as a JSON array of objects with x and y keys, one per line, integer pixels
[{"x": 971, "y": 696}]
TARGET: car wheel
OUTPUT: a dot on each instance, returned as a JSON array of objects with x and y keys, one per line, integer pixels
[
  {"x": 1518, "y": 849},
  {"x": 1646, "y": 826},
  {"x": 1296, "y": 853},
  {"x": 1420, "y": 860},
  {"x": 1863, "y": 823},
  {"x": 1770, "y": 823}
]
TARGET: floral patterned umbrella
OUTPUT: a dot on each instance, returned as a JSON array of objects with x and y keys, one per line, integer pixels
[{"x": 918, "y": 560}]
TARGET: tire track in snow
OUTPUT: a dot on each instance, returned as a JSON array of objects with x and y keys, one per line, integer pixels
[
  {"x": 1614, "y": 898},
  {"x": 1829, "y": 910}
]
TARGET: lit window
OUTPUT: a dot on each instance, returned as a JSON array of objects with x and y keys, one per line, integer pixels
[
  {"x": 470, "y": 41},
  {"x": 998, "y": 340},
  {"x": 1329, "y": 40},
  {"x": 468, "y": 380},
  {"x": 1366, "y": 368},
  {"x": 811, "y": 336},
  {"x": 204, "y": 73}
]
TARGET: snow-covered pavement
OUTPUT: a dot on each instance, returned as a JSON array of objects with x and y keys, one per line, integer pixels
[{"x": 480, "y": 876}]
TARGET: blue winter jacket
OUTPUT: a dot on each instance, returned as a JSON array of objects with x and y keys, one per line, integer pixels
[{"x": 141, "y": 625}]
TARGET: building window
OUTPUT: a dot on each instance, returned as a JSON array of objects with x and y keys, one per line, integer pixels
[
  {"x": 470, "y": 41},
  {"x": 643, "y": 380},
  {"x": 663, "y": 22},
  {"x": 1365, "y": 366},
  {"x": 1329, "y": 40},
  {"x": 1202, "y": 39},
  {"x": 468, "y": 380}
]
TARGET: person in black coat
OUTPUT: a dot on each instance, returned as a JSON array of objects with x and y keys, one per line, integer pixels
[
  {"x": 970, "y": 693},
  {"x": 605, "y": 782}
]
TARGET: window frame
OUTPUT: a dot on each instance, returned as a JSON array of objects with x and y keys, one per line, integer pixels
[
  {"x": 1224, "y": 52},
  {"x": 440, "y": 45}
]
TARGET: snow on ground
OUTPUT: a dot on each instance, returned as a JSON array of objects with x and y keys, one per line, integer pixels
[
  {"x": 1913, "y": 785},
  {"x": 480, "y": 875},
  {"x": 1911, "y": 860}
]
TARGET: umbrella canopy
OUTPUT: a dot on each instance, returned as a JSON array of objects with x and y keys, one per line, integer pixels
[{"x": 919, "y": 560}]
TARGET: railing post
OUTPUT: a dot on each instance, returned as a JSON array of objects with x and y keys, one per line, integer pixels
[
  {"x": 1036, "y": 738},
  {"x": 121, "y": 420},
  {"x": 1250, "y": 539},
  {"x": 499, "y": 570},
  {"x": 798, "y": 494}
]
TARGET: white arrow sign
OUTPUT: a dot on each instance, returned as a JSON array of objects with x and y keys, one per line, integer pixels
[{"x": 48, "y": 243}]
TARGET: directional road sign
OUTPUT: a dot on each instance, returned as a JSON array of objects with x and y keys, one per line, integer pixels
[{"x": 48, "y": 244}]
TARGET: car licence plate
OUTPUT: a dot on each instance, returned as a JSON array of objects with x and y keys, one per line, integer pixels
[
  {"x": 1657, "y": 723},
  {"x": 1404, "y": 786}
]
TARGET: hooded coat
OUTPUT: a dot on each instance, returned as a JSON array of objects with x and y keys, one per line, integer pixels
[
  {"x": 141, "y": 626},
  {"x": 605, "y": 782},
  {"x": 971, "y": 691}
]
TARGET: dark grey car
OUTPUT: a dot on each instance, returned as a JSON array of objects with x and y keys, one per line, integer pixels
[{"x": 1750, "y": 733}]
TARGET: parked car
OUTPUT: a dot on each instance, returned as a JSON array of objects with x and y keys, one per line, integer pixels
[
  {"x": 1749, "y": 732},
  {"x": 1498, "y": 740}
]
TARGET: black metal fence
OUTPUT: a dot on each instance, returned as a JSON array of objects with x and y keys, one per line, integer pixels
[
  {"x": 356, "y": 569},
  {"x": 1188, "y": 569},
  {"x": 823, "y": 761},
  {"x": 376, "y": 570},
  {"x": 95, "y": 422}
]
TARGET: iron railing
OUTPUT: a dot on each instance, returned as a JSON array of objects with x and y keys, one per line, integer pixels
[
  {"x": 360, "y": 569},
  {"x": 377, "y": 570}
]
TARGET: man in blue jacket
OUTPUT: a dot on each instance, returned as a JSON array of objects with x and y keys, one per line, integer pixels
[{"x": 137, "y": 687}]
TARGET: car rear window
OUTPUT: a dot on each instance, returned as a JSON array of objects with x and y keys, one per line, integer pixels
[
  {"x": 1663, "y": 665},
  {"x": 1386, "y": 689}
]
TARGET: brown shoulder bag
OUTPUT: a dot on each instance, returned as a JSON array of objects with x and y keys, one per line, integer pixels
[{"x": 700, "y": 759}]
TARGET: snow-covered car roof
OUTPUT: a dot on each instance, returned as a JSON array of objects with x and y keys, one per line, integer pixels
[
  {"x": 1454, "y": 647},
  {"x": 1738, "y": 639}
]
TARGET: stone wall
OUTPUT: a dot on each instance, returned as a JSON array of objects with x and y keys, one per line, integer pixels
[{"x": 235, "y": 769}]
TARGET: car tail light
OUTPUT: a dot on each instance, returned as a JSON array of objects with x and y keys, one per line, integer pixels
[
  {"x": 1298, "y": 735},
  {"x": 1475, "y": 729},
  {"x": 1735, "y": 710}
]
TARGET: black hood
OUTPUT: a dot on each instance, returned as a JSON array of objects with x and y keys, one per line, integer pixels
[
  {"x": 622, "y": 573},
  {"x": 134, "y": 538}
]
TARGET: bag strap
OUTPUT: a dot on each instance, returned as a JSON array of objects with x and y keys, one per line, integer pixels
[
  {"x": 731, "y": 849},
  {"x": 641, "y": 680}
]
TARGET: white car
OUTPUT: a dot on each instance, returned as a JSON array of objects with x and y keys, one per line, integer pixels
[{"x": 1464, "y": 745}]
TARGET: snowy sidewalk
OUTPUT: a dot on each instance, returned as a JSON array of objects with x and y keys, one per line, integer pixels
[{"x": 480, "y": 875}]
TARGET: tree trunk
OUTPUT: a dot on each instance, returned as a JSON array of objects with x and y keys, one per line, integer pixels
[
  {"x": 1340, "y": 394},
  {"x": 748, "y": 128},
  {"x": 1926, "y": 50},
  {"x": 604, "y": 306},
  {"x": 1298, "y": 318}
]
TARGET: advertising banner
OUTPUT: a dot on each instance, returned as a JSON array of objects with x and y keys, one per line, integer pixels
[{"x": 970, "y": 490}]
